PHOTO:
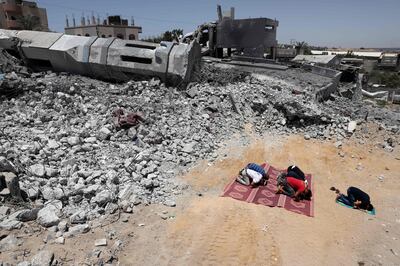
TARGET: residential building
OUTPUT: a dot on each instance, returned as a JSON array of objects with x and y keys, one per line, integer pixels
[
  {"x": 113, "y": 26},
  {"x": 12, "y": 13}
]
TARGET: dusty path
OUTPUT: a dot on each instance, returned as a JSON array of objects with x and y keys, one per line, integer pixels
[
  {"x": 205, "y": 229},
  {"x": 220, "y": 231}
]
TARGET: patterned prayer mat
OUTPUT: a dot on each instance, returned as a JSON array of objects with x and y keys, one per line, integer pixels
[{"x": 266, "y": 195}]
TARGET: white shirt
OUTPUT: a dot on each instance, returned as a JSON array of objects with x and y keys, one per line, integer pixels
[{"x": 256, "y": 176}]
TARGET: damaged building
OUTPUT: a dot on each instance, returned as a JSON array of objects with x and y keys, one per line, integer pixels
[
  {"x": 103, "y": 58},
  {"x": 253, "y": 37}
]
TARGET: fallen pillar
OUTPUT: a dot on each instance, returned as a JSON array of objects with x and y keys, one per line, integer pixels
[{"x": 106, "y": 58}]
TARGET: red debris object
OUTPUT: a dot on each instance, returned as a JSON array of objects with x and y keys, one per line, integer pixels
[{"x": 123, "y": 119}]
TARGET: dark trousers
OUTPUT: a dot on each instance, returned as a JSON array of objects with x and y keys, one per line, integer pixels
[
  {"x": 348, "y": 200},
  {"x": 287, "y": 189}
]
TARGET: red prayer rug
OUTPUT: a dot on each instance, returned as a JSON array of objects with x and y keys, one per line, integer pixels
[{"x": 266, "y": 195}]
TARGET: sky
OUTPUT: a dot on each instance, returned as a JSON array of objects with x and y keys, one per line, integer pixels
[{"x": 331, "y": 23}]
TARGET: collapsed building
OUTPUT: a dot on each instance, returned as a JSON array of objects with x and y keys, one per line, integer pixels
[{"x": 251, "y": 37}]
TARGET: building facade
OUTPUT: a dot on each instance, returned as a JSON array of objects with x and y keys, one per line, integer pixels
[
  {"x": 22, "y": 15},
  {"x": 113, "y": 26}
]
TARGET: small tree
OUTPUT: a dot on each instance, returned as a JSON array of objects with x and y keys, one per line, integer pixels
[
  {"x": 304, "y": 47},
  {"x": 29, "y": 22}
]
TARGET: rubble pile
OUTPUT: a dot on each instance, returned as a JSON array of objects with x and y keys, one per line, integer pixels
[{"x": 75, "y": 163}]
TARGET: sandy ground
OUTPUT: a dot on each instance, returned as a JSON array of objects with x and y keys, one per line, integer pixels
[{"x": 205, "y": 229}]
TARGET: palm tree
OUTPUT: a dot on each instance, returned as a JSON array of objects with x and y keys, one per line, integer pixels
[
  {"x": 304, "y": 47},
  {"x": 29, "y": 22}
]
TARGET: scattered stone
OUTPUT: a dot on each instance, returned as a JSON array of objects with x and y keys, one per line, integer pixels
[
  {"x": 105, "y": 133},
  {"x": 381, "y": 178},
  {"x": 125, "y": 217},
  {"x": 24, "y": 263},
  {"x": 43, "y": 258},
  {"x": 189, "y": 148},
  {"x": 338, "y": 144},
  {"x": 78, "y": 217},
  {"x": 90, "y": 140},
  {"x": 102, "y": 197},
  {"x": 4, "y": 210},
  {"x": 100, "y": 242},
  {"x": 62, "y": 226},
  {"x": 27, "y": 215},
  {"x": 163, "y": 216},
  {"x": 10, "y": 224},
  {"x": 77, "y": 230},
  {"x": 10, "y": 242},
  {"x": 169, "y": 203},
  {"x": 59, "y": 240},
  {"x": 351, "y": 126},
  {"x": 12, "y": 184},
  {"x": 48, "y": 216},
  {"x": 65, "y": 133},
  {"x": 52, "y": 144},
  {"x": 73, "y": 141}
]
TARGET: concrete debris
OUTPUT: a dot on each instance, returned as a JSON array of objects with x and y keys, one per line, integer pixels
[
  {"x": 43, "y": 258},
  {"x": 38, "y": 170},
  {"x": 26, "y": 215},
  {"x": 338, "y": 144},
  {"x": 24, "y": 263},
  {"x": 10, "y": 242},
  {"x": 170, "y": 203},
  {"x": 48, "y": 216},
  {"x": 10, "y": 224},
  {"x": 77, "y": 230},
  {"x": 59, "y": 240},
  {"x": 100, "y": 242},
  {"x": 352, "y": 126},
  {"x": 79, "y": 165}
]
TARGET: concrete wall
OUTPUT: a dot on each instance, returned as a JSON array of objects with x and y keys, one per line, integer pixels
[
  {"x": 324, "y": 93},
  {"x": 246, "y": 33}
]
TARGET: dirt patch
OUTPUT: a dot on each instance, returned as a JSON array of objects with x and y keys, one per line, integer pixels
[
  {"x": 213, "y": 230},
  {"x": 206, "y": 229}
]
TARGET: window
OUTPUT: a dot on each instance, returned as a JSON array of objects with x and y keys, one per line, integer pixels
[
  {"x": 103, "y": 36},
  {"x": 136, "y": 59},
  {"x": 78, "y": 34},
  {"x": 87, "y": 35},
  {"x": 110, "y": 35},
  {"x": 132, "y": 37},
  {"x": 120, "y": 36}
]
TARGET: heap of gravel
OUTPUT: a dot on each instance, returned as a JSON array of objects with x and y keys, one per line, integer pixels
[{"x": 74, "y": 165}]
